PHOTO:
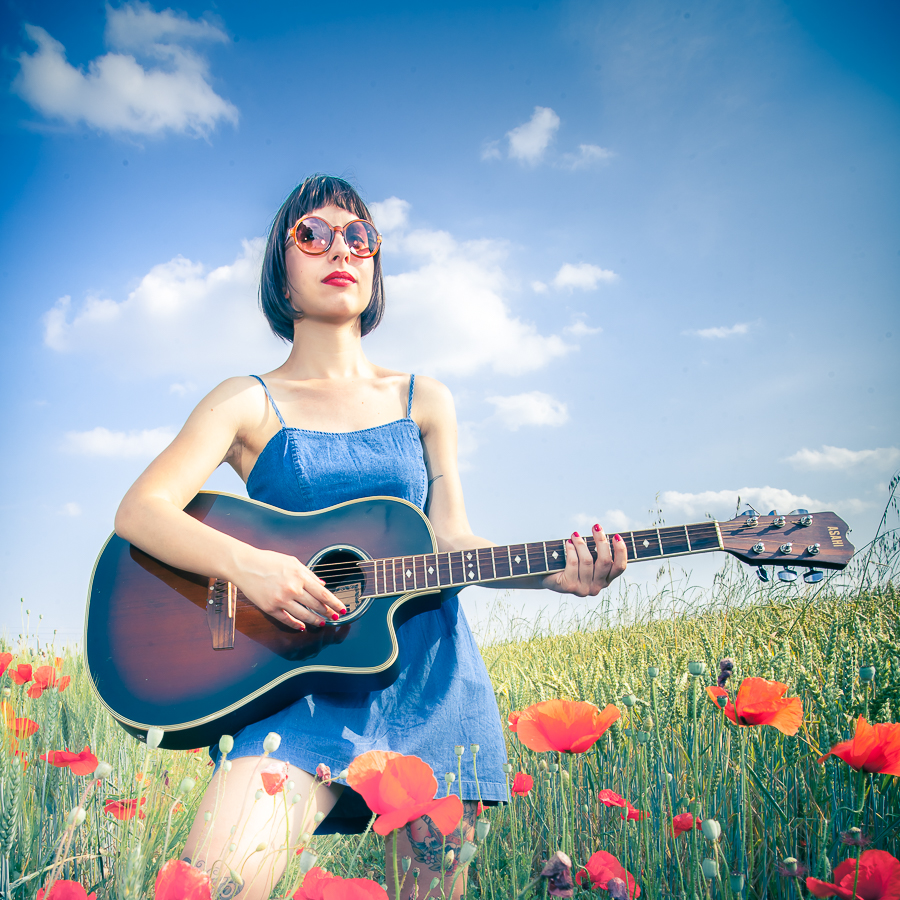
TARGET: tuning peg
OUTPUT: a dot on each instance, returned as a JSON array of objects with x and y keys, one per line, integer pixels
[
  {"x": 798, "y": 512},
  {"x": 762, "y": 574},
  {"x": 787, "y": 574},
  {"x": 813, "y": 576}
]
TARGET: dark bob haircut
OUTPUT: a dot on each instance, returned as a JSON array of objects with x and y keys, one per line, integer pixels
[{"x": 317, "y": 191}]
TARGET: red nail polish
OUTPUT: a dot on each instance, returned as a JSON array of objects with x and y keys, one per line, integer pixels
[
  {"x": 575, "y": 534},
  {"x": 618, "y": 538},
  {"x": 302, "y": 627},
  {"x": 596, "y": 528},
  {"x": 343, "y": 611},
  {"x": 569, "y": 541},
  {"x": 335, "y": 616}
]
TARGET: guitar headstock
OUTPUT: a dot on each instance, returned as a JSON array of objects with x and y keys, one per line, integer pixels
[{"x": 809, "y": 540}]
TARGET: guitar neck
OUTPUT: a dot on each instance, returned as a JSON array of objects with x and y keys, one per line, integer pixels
[{"x": 458, "y": 568}]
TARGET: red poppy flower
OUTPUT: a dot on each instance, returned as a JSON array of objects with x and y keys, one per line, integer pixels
[
  {"x": 761, "y": 702},
  {"x": 45, "y": 676},
  {"x": 879, "y": 878},
  {"x": 873, "y": 748},
  {"x": 323, "y": 773},
  {"x": 21, "y": 674},
  {"x": 522, "y": 784},
  {"x": 58, "y": 662},
  {"x": 63, "y": 683},
  {"x": 400, "y": 789},
  {"x": 66, "y": 890},
  {"x": 35, "y": 691},
  {"x": 610, "y": 798},
  {"x": 5, "y": 660},
  {"x": 83, "y": 763},
  {"x": 319, "y": 884},
  {"x": 634, "y": 814},
  {"x": 601, "y": 867},
  {"x": 125, "y": 809},
  {"x": 274, "y": 777},
  {"x": 21, "y": 728},
  {"x": 513, "y": 721},
  {"x": 178, "y": 880},
  {"x": 567, "y": 726},
  {"x": 684, "y": 822}
]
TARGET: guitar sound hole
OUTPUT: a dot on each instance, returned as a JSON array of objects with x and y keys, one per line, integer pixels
[{"x": 343, "y": 576}]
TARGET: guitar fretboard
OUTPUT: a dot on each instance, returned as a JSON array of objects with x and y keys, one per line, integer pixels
[{"x": 456, "y": 568}]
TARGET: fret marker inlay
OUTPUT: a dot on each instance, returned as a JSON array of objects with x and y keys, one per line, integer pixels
[
  {"x": 646, "y": 544},
  {"x": 408, "y": 573},
  {"x": 468, "y": 556},
  {"x": 430, "y": 571},
  {"x": 554, "y": 554},
  {"x": 471, "y": 574},
  {"x": 518, "y": 559}
]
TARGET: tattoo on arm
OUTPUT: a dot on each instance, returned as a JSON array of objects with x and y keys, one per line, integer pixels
[{"x": 431, "y": 481}]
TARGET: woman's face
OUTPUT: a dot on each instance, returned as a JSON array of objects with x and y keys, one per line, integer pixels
[{"x": 335, "y": 286}]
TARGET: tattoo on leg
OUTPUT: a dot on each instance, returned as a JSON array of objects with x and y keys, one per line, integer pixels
[
  {"x": 429, "y": 845},
  {"x": 227, "y": 887}
]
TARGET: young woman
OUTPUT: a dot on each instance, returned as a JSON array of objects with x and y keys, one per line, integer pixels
[{"x": 325, "y": 427}]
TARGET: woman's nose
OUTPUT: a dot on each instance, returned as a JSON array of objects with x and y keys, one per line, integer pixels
[{"x": 339, "y": 250}]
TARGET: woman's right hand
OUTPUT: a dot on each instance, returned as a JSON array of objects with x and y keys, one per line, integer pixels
[{"x": 282, "y": 587}]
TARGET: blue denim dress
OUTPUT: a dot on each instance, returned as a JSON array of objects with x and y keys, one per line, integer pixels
[{"x": 443, "y": 696}]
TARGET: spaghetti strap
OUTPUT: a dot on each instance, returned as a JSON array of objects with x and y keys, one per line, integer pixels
[
  {"x": 412, "y": 387},
  {"x": 277, "y": 412}
]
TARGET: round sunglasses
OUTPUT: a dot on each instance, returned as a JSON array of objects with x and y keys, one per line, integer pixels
[{"x": 314, "y": 236}]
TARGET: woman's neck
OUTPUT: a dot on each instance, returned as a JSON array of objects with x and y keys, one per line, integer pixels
[{"x": 324, "y": 350}]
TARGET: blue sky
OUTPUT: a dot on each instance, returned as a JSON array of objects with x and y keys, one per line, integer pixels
[{"x": 653, "y": 249}]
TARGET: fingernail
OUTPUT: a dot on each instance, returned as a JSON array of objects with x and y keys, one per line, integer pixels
[
  {"x": 575, "y": 534},
  {"x": 596, "y": 528},
  {"x": 302, "y": 628},
  {"x": 322, "y": 622},
  {"x": 618, "y": 538},
  {"x": 335, "y": 616},
  {"x": 569, "y": 541},
  {"x": 322, "y": 581},
  {"x": 343, "y": 611}
]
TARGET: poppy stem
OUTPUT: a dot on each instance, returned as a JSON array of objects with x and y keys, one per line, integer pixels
[
  {"x": 396, "y": 862},
  {"x": 362, "y": 840}
]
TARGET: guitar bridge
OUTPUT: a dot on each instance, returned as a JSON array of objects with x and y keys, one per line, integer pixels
[{"x": 221, "y": 611}]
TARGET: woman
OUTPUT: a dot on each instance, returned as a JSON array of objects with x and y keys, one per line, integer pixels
[{"x": 325, "y": 427}]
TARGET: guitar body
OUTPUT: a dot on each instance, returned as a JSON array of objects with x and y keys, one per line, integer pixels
[{"x": 149, "y": 644}]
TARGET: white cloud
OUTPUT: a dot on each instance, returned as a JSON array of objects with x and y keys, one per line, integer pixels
[
  {"x": 587, "y": 155},
  {"x": 533, "y": 408},
  {"x": 583, "y": 276},
  {"x": 491, "y": 150},
  {"x": 182, "y": 389},
  {"x": 390, "y": 214},
  {"x": 529, "y": 141},
  {"x": 117, "y": 444},
  {"x": 580, "y": 328},
  {"x": 721, "y": 332},
  {"x": 539, "y": 287},
  {"x": 70, "y": 509},
  {"x": 180, "y": 320},
  {"x": 722, "y": 504},
  {"x": 830, "y": 458},
  {"x": 450, "y": 313},
  {"x": 117, "y": 93}
]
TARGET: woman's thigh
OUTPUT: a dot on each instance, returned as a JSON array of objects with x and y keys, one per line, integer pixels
[{"x": 232, "y": 822}]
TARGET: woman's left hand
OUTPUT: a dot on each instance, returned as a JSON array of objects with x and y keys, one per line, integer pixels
[{"x": 583, "y": 576}]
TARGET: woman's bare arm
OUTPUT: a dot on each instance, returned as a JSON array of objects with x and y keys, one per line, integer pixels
[
  {"x": 435, "y": 412},
  {"x": 151, "y": 514}
]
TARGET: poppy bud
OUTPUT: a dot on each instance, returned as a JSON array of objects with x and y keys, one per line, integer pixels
[
  {"x": 207, "y": 816},
  {"x": 710, "y": 868},
  {"x": 447, "y": 863},
  {"x": 449, "y": 777},
  {"x": 154, "y": 737},
  {"x": 258, "y": 795},
  {"x": 652, "y": 672},
  {"x": 434, "y": 883},
  {"x": 629, "y": 700},
  {"x": 102, "y": 771},
  {"x": 866, "y": 673},
  {"x": 227, "y": 765},
  {"x": 235, "y": 877},
  {"x": 343, "y": 774},
  {"x": 467, "y": 853},
  {"x": 232, "y": 847},
  {"x": 259, "y": 848},
  {"x": 554, "y": 767},
  {"x": 482, "y": 828},
  {"x": 76, "y": 817},
  {"x": 617, "y": 889},
  {"x": 711, "y": 829},
  {"x": 507, "y": 768},
  {"x": 474, "y": 748},
  {"x": 296, "y": 799},
  {"x": 643, "y": 737},
  {"x": 307, "y": 861},
  {"x": 186, "y": 786},
  {"x": 318, "y": 817},
  {"x": 697, "y": 668},
  {"x": 290, "y": 785},
  {"x": 272, "y": 742},
  {"x": 226, "y": 743},
  {"x": 736, "y": 880},
  {"x": 459, "y": 749},
  {"x": 564, "y": 775},
  {"x": 542, "y": 765},
  {"x": 790, "y": 863},
  {"x": 406, "y": 862},
  {"x": 306, "y": 837}
]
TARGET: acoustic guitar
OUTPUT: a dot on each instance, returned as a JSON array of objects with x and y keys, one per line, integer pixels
[{"x": 188, "y": 653}]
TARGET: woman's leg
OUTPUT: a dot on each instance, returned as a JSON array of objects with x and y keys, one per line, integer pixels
[
  {"x": 426, "y": 846},
  {"x": 238, "y": 818}
]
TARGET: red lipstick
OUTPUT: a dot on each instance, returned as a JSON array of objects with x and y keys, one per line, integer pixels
[{"x": 339, "y": 278}]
